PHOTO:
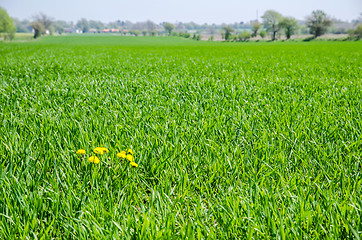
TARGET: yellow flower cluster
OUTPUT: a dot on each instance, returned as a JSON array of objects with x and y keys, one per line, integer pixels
[
  {"x": 129, "y": 156},
  {"x": 81, "y": 151},
  {"x": 97, "y": 150},
  {"x": 94, "y": 159},
  {"x": 102, "y": 150}
]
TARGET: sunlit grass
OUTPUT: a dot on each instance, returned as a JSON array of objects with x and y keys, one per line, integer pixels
[
  {"x": 232, "y": 140},
  {"x": 23, "y": 37}
]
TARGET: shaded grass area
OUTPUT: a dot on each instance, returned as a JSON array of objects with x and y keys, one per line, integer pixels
[{"x": 233, "y": 140}]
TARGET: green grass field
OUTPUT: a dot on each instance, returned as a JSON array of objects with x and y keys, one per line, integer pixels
[{"x": 232, "y": 140}]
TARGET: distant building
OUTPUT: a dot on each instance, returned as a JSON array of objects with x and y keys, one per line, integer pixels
[{"x": 113, "y": 30}]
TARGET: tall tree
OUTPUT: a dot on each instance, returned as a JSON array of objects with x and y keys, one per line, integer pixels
[
  {"x": 83, "y": 25},
  {"x": 169, "y": 27},
  {"x": 7, "y": 25},
  {"x": 228, "y": 30},
  {"x": 356, "y": 33},
  {"x": 289, "y": 25},
  {"x": 318, "y": 23},
  {"x": 151, "y": 26},
  {"x": 255, "y": 28},
  {"x": 38, "y": 28},
  {"x": 271, "y": 21},
  {"x": 96, "y": 25}
]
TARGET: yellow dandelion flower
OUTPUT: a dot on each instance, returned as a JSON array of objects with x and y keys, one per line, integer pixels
[
  {"x": 133, "y": 164},
  {"x": 130, "y": 151},
  {"x": 105, "y": 150},
  {"x": 94, "y": 159},
  {"x": 100, "y": 150},
  {"x": 81, "y": 151},
  {"x": 121, "y": 154},
  {"x": 130, "y": 157}
]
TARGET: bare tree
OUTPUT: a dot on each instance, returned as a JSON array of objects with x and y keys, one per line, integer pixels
[
  {"x": 43, "y": 19},
  {"x": 151, "y": 26}
]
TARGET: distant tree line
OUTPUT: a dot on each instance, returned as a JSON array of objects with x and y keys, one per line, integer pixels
[
  {"x": 273, "y": 24},
  {"x": 147, "y": 27}
]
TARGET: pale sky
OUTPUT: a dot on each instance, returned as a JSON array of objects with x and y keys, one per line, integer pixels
[{"x": 199, "y": 11}]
